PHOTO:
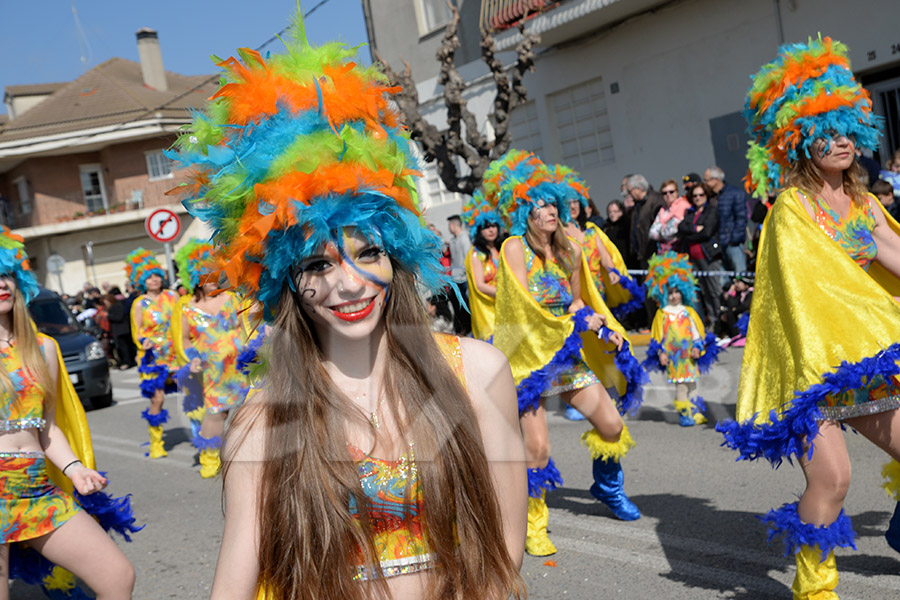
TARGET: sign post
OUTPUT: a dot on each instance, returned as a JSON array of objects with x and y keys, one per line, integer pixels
[
  {"x": 55, "y": 266},
  {"x": 163, "y": 225}
]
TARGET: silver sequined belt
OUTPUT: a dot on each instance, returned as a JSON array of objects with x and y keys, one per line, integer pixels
[
  {"x": 398, "y": 566},
  {"x": 19, "y": 424},
  {"x": 839, "y": 413}
]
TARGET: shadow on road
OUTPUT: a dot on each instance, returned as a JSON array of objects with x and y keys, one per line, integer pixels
[{"x": 696, "y": 537}]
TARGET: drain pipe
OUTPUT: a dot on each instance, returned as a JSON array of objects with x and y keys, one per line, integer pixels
[{"x": 778, "y": 22}]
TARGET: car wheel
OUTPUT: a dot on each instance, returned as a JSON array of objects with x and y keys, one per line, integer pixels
[{"x": 102, "y": 401}]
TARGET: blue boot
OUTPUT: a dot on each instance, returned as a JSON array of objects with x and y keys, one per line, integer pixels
[
  {"x": 608, "y": 488},
  {"x": 892, "y": 535}
]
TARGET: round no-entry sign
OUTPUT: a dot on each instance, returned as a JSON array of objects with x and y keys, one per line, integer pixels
[{"x": 163, "y": 225}]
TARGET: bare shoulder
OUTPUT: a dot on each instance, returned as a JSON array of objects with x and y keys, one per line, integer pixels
[
  {"x": 479, "y": 356},
  {"x": 513, "y": 246},
  {"x": 488, "y": 376},
  {"x": 245, "y": 441}
]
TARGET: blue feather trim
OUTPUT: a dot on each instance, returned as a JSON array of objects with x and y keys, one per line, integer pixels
[
  {"x": 248, "y": 355},
  {"x": 638, "y": 297},
  {"x": 635, "y": 379},
  {"x": 156, "y": 420},
  {"x": 113, "y": 514},
  {"x": 543, "y": 480},
  {"x": 191, "y": 387},
  {"x": 786, "y": 524},
  {"x": 26, "y": 564},
  {"x": 530, "y": 389},
  {"x": 651, "y": 363},
  {"x": 743, "y": 323},
  {"x": 158, "y": 377},
  {"x": 783, "y": 438},
  {"x": 699, "y": 405},
  {"x": 709, "y": 353},
  {"x": 202, "y": 443}
]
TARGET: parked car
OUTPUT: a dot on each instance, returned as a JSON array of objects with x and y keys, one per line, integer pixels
[{"x": 85, "y": 359}]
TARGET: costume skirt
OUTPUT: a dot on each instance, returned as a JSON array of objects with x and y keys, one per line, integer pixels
[
  {"x": 880, "y": 394},
  {"x": 30, "y": 504},
  {"x": 578, "y": 377}
]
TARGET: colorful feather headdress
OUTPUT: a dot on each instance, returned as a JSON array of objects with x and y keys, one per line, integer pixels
[
  {"x": 805, "y": 94},
  {"x": 14, "y": 262},
  {"x": 293, "y": 148},
  {"x": 196, "y": 262},
  {"x": 515, "y": 182},
  {"x": 668, "y": 271},
  {"x": 573, "y": 183},
  {"x": 140, "y": 265},
  {"x": 478, "y": 213}
]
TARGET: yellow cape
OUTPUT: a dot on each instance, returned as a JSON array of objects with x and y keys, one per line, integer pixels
[
  {"x": 529, "y": 335},
  {"x": 480, "y": 304},
  {"x": 813, "y": 308},
  {"x": 615, "y": 294}
]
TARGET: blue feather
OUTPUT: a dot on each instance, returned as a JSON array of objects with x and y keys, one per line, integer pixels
[
  {"x": 635, "y": 379},
  {"x": 638, "y": 297},
  {"x": 651, "y": 363},
  {"x": 113, "y": 513},
  {"x": 155, "y": 420},
  {"x": 543, "y": 480},
  {"x": 202, "y": 443},
  {"x": 785, "y": 523},
  {"x": 709, "y": 353}
]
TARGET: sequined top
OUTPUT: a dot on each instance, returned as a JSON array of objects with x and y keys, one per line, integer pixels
[
  {"x": 489, "y": 265},
  {"x": 679, "y": 336},
  {"x": 548, "y": 283},
  {"x": 155, "y": 318},
  {"x": 394, "y": 494},
  {"x": 26, "y": 409},
  {"x": 854, "y": 233},
  {"x": 219, "y": 339}
]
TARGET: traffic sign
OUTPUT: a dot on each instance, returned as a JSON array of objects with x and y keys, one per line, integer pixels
[
  {"x": 163, "y": 225},
  {"x": 55, "y": 264}
]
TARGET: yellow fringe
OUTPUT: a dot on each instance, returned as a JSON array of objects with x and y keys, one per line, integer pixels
[
  {"x": 891, "y": 473},
  {"x": 197, "y": 414},
  {"x": 59, "y": 579},
  {"x": 601, "y": 448},
  {"x": 683, "y": 405}
]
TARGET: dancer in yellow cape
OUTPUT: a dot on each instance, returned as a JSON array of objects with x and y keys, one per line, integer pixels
[
  {"x": 621, "y": 293},
  {"x": 823, "y": 343},
  {"x": 209, "y": 337},
  {"x": 338, "y": 469},
  {"x": 482, "y": 262},
  {"x": 49, "y": 489},
  {"x": 679, "y": 345},
  {"x": 560, "y": 338},
  {"x": 151, "y": 319}
]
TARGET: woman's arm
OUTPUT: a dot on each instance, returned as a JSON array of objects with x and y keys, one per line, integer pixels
[
  {"x": 53, "y": 440},
  {"x": 575, "y": 279},
  {"x": 478, "y": 276},
  {"x": 887, "y": 242},
  {"x": 237, "y": 568},
  {"x": 514, "y": 255},
  {"x": 187, "y": 344},
  {"x": 493, "y": 394}
]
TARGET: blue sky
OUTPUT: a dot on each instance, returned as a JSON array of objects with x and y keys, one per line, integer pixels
[{"x": 40, "y": 40}]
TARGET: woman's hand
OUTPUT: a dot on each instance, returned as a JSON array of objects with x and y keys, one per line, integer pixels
[
  {"x": 595, "y": 322},
  {"x": 616, "y": 338},
  {"x": 86, "y": 481},
  {"x": 663, "y": 359},
  {"x": 695, "y": 353},
  {"x": 614, "y": 278},
  {"x": 146, "y": 344},
  {"x": 196, "y": 364}
]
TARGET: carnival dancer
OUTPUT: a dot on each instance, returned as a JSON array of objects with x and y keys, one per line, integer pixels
[
  {"x": 209, "y": 336},
  {"x": 482, "y": 262},
  {"x": 823, "y": 342},
  {"x": 363, "y": 423},
  {"x": 621, "y": 293},
  {"x": 151, "y": 316},
  {"x": 679, "y": 345},
  {"x": 49, "y": 489},
  {"x": 560, "y": 338}
]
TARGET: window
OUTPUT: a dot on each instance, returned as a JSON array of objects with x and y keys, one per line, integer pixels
[
  {"x": 432, "y": 15},
  {"x": 524, "y": 129},
  {"x": 92, "y": 188},
  {"x": 24, "y": 191},
  {"x": 158, "y": 165},
  {"x": 434, "y": 190},
  {"x": 582, "y": 125}
]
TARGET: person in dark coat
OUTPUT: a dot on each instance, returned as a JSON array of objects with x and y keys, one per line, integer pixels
[
  {"x": 120, "y": 331},
  {"x": 732, "y": 209},
  {"x": 697, "y": 238},
  {"x": 647, "y": 203},
  {"x": 617, "y": 228}
]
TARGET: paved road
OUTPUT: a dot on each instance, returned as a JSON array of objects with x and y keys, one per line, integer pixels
[{"x": 699, "y": 538}]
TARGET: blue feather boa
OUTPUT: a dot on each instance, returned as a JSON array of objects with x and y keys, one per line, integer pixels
[
  {"x": 202, "y": 443},
  {"x": 156, "y": 420},
  {"x": 651, "y": 363},
  {"x": 191, "y": 388},
  {"x": 635, "y": 379},
  {"x": 530, "y": 389},
  {"x": 785, "y": 523},
  {"x": 743, "y": 323},
  {"x": 699, "y": 405},
  {"x": 638, "y": 297},
  {"x": 158, "y": 377},
  {"x": 247, "y": 357},
  {"x": 709, "y": 353},
  {"x": 114, "y": 514},
  {"x": 543, "y": 480},
  {"x": 783, "y": 438}
]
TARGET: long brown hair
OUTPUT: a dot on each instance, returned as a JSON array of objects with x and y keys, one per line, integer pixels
[
  {"x": 807, "y": 177},
  {"x": 559, "y": 243},
  {"x": 28, "y": 348},
  {"x": 309, "y": 541}
]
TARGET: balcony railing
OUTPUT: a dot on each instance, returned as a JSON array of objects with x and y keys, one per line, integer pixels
[{"x": 497, "y": 15}]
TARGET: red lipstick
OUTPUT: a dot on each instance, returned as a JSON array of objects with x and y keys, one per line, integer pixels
[{"x": 354, "y": 316}]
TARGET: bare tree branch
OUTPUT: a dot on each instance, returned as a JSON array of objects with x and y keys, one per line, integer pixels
[{"x": 462, "y": 138}]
